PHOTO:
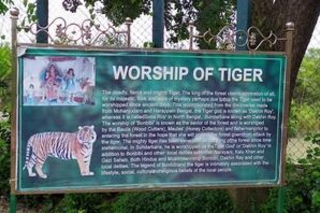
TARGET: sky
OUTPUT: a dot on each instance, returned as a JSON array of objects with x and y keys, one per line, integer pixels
[{"x": 315, "y": 40}]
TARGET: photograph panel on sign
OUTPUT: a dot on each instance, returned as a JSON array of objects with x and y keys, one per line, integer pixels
[{"x": 62, "y": 81}]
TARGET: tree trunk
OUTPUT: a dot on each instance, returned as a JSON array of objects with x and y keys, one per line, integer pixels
[
  {"x": 267, "y": 16},
  {"x": 274, "y": 16}
]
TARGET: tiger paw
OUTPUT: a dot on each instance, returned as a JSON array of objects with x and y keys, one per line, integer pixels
[
  {"x": 32, "y": 174},
  {"x": 44, "y": 176},
  {"x": 87, "y": 174}
]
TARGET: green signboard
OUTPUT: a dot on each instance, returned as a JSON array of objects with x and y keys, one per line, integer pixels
[{"x": 116, "y": 120}]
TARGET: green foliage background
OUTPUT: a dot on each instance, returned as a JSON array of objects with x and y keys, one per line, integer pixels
[
  {"x": 305, "y": 106},
  {"x": 4, "y": 6},
  {"x": 205, "y": 15},
  {"x": 213, "y": 201},
  {"x": 303, "y": 192},
  {"x": 5, "y": 79}
]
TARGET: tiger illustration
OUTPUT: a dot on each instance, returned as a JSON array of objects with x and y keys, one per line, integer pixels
[{"x": 63, "y": 145}]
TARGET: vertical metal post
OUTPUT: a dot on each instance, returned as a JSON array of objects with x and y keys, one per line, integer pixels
[
  {"x": 281, "y": 200},
  {"x": 13, "y": 203},
  {"x": 42, "y": 16},
  {"x": 191, "y": 29},
  {"x": 243, "y": 21},
  {"x": 14, "y": 12},
  {"x": 288, "y": 50},
  {"x": 128, "y": 23},
  {"x": 158, "y": 23}
]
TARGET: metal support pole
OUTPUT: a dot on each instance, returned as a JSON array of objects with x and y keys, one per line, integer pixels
[
  {"x": 191, "y": 31},
  {"x": 42, "y": 16},
  {"x": 14, "y": 12},
  {"x": 128, "y": 23},
  {"x": 13, "y": 203},
  {"x": 243, "y": 21},
  {"x": 288, "y": 50},
  {"x": 158, "y": 23},
  {"x": 281, "y": 200}
]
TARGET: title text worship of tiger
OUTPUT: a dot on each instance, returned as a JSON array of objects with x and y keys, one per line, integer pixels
[{"x": 178, "y": 73}]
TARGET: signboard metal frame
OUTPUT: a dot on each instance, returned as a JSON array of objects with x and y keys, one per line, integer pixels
[{"x": 17, "y": 107}]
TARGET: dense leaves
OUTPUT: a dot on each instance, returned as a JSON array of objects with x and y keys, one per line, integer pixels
[
  {"x": 4, "y": 6},
  {"x": 305, "y": 106},
  {"x": 4, "y": 157},
  {"x": 302, "y": 190},
  {"x": 178, "y": 14},
  {"x": 5, "y": 128},
  {"x": 213, "y": 201},
  {"x": 309, "y": 78},
  {"x": 5, "y": 78},
  {"x": 117, "y": 11}
]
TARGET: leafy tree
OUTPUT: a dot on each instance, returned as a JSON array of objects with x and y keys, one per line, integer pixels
[
  {"x": 302, "y": 183},
  {"x": 308, "y": 82},
  {"x": 4, "y": 6},
  {"x": 273, "y": 15},
  {"x": 205, "y": 14},
  {"x": 213, "y": 201},
  {"x": 305, "y": 106},
  {"x": 5, "y": 78},
  {"x": 266, "y": 15},
  {"x": 5, "y": 131}
]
